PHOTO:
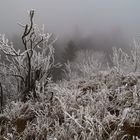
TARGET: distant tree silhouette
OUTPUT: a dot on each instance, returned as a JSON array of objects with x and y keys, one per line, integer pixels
[{"x": 69, "y": 52}]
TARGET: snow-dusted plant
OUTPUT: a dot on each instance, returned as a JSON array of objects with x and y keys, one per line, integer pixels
[
  {"x": 87, "y": 63},
  {"x": 33, "y": 62},
  {"x": 124, "y": 62},
  {"x": 135, "y": 52}
]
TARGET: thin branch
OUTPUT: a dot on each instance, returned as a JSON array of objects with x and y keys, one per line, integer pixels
[
  {"x": 1, "y": 98},
  {"x": 38, "y": 43},
  {"x": 15, "y": 75}
]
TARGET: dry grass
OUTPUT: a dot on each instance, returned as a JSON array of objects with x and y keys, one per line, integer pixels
[{"x": 79, "y": 110}]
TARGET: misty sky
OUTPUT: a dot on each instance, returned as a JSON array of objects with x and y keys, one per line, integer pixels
[{"x": 64, "y": 16}]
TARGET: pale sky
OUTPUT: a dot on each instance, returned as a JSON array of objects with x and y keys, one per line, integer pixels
[{"x": 63, "y": 16}]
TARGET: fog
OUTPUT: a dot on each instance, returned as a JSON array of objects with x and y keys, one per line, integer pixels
[
  {"x": 97, "y": 24},
  {"x": 101, "y": 24},
  {"x": 62, "y": 17}
]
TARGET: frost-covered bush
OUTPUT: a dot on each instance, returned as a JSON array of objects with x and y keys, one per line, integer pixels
[
  {"x": 31, "y": 64},
  {"x": 86, "y": 64},
  {"x": 127, "y": 63}
]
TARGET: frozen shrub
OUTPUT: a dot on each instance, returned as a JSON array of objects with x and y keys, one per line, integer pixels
[
  {"x": 86, "y": 64},
  {"x": 32, "y": 63},
  {"x": 124, "y": 62}
]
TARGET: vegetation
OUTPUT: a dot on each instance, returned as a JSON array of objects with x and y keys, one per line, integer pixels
[
  {"x": 94, "y": 102},
  {"x": 33, "y": 64}
]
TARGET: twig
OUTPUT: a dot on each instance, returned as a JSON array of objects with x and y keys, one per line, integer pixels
[{"x": 1, "y": 99}]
